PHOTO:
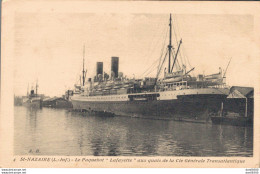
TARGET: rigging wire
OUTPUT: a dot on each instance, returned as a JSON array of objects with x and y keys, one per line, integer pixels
[
  {"x": 162, "y": 51},
  {"x": 153, "y": 65},
  {"x": 149, "y": 69},
  {"x": 158, "y": 73},
  {"x": 156, "y": 44},
  {"x": 163, "y": 47},
  {"x": 176, "y": 38},
  {"x": 161, "y": 63},
  {"x": 188, "y": 61},
  {"x": 183, "y": 51},
  {"x": 152, "y": 70},
  {"x": 176, "y": 30}
]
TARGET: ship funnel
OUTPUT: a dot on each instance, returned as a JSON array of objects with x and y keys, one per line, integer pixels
[
  {"x": 99, "y": 68},
  {"x": 114, "y": 67}
]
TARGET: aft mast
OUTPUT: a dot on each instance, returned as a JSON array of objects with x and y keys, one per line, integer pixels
[
  {"x": 83, "y": 71},
  {"x": 36, "y": 88},
  {"x": 170, "y": 44}
]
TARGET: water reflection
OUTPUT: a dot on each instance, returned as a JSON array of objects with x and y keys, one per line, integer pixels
[{"x": 58, "y": 132}]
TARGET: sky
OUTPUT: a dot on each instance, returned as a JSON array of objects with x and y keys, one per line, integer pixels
[{"x": 49, "y": 46}]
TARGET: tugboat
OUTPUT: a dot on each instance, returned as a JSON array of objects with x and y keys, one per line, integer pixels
[{"x": 176, "y": 95}]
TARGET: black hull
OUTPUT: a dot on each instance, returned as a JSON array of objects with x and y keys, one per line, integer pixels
[{"x": 190, "y": 107}]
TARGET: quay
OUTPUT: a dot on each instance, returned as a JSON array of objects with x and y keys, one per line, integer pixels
[{"x": 237, "y": 109}]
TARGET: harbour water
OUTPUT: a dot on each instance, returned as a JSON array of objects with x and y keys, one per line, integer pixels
[{"x": 49, "y": 131}]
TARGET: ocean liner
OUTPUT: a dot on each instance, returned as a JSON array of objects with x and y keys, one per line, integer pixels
[{"x": 177, "y": 95}]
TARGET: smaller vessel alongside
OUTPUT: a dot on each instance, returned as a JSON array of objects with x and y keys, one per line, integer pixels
[
  {"x": 56, "y": 102},
  {"x": 232, "y": 118}
]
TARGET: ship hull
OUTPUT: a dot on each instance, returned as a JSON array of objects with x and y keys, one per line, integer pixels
[
  {"x": 195, "y": 105},
  {"x": 33, "y": 103}
]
